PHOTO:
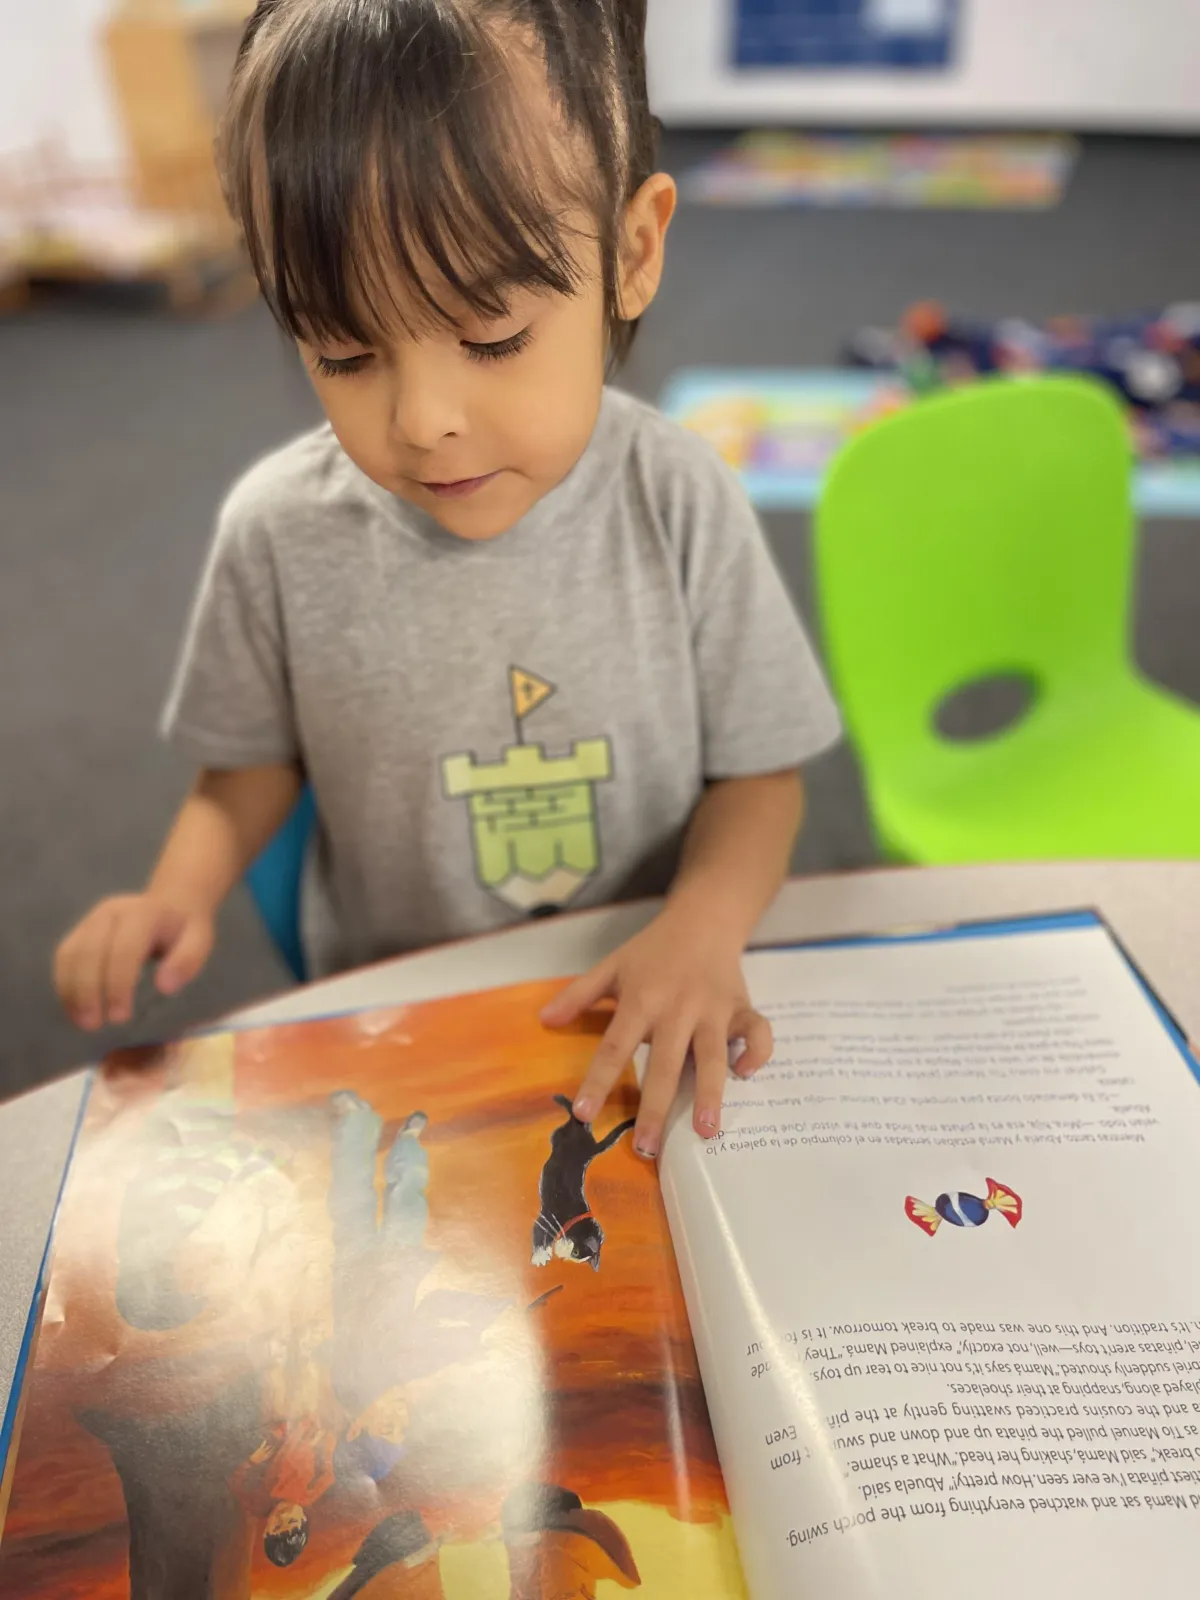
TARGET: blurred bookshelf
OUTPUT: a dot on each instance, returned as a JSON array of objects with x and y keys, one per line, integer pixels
[
  {"x": 169, "y": 63},
  {"x": 158, "y": 222}
]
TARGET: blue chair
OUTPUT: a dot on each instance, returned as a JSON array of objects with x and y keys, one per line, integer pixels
[{"x": 274, "y": 881}]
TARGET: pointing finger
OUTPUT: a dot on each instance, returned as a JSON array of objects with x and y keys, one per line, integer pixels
[
  {"x": 580, "y": 996},
  {"x": 625, "y": 1033}
]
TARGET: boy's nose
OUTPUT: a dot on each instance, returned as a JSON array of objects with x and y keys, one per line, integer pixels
[{"x": 425, "y": 410}]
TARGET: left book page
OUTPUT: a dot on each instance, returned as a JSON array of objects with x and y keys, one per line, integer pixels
[{"x": 354, "y": 1307}]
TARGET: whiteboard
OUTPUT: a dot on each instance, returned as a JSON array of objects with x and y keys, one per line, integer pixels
[{"x": 1091, "y": 64}]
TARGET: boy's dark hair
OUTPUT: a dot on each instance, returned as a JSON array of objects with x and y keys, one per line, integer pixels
[
  {"x": 283, "y": 1548},
  {"x": 371, "y": 146}
]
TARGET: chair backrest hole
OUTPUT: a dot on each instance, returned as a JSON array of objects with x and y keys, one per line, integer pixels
[{"x": 985, "y": 707}]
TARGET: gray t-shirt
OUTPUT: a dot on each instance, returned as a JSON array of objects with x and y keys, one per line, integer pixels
[{"x": 501, "y": 729}]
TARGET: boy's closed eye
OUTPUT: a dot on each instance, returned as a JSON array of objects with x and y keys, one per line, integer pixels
[
  {"x": 498, "y": 349},
  {"x": 341, "y": 366},
  {"x": 475, "y": 349}
]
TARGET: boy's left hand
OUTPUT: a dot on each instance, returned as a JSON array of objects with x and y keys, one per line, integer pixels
[{"x": 677, "y": 985}]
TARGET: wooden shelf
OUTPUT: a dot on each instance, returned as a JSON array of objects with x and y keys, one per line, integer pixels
[{"x": 170, "y": 66}]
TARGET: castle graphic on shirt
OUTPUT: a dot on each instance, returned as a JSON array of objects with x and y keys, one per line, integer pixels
[{"x": 534, "y": 830}]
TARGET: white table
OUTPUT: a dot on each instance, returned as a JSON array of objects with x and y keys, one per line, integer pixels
[{"x": 1154, "y": 909}]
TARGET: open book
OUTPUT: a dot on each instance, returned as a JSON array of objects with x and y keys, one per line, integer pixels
[{"x": 354, "y": 1307}]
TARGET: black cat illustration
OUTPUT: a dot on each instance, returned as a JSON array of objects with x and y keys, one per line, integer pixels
[{"x": 565, "y": 1226}]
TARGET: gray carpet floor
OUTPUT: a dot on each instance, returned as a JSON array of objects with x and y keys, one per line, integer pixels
[{"x": 121, "y": 428}]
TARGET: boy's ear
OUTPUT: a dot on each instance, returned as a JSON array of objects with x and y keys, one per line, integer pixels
[{"x": 647, "y": 218}]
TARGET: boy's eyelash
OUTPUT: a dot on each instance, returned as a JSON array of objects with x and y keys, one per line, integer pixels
[
  {"x": 500, "y": 349},
  {"x": 328, "y": 367},
  {"x": 348, "y": 365}
]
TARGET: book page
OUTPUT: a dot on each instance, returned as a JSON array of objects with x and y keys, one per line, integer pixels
[{"x": 942, "y": 1272}]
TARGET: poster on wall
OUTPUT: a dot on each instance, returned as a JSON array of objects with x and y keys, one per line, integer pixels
[{"x": 914, "y": 35}]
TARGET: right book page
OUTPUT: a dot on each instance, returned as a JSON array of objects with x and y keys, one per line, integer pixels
[{"x": 943, "y": 1272}]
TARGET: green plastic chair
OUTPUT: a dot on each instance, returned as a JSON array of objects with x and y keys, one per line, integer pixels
[{"x": 987, "y": 532}]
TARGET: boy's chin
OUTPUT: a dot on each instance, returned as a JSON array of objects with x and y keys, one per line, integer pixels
[
  {"x": 488, "y": 513},
  {"x": 474, "y": 530}
]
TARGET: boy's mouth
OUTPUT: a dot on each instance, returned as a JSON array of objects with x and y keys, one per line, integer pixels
[{"x": 461, "y": 487}]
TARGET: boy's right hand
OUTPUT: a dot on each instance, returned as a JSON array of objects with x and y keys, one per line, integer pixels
[{"x": 99, "y": 963}]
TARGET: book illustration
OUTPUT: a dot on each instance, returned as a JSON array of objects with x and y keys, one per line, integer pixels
[
  {"x": 965, "y": 1210},
  {"x": 557, "y": 1547},
  {"x": 286, "y": 1473},
  {"x": 401, "y": 1540},
  {"x": 381, "y": 1276},
  {"x": 294, "y": 1343},
  {"x": 192, "y": 1153},
  {"x": 566, "y": 1226},
  {"x": 534, "y": 829}
]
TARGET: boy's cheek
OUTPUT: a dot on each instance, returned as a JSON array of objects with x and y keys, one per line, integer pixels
[
  {"x": 364, "y": 434},
  {"x": 548, "y": 424}
]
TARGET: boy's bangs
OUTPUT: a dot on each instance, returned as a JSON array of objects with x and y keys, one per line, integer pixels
[{"x": 366, "y": 210}]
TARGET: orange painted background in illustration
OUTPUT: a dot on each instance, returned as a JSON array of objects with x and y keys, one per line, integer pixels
[{"x": 230, "y": 1331}]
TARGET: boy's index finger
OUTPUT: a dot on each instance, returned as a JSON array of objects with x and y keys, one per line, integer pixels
[
  {"x": 626, "y": 1032},
  {"x": 579, "y": 996}
]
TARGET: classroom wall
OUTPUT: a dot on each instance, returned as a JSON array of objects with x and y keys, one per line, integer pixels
[
  {"x": 1099, "y": 64},
  {"x": 54, "y": 81},
  {"x": 1084, "y": 63}
]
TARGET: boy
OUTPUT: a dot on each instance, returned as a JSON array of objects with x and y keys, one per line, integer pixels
[{"x": 452, "y": 206}]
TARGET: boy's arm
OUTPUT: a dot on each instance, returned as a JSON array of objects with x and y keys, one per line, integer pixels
[
  {"x": 222, "y": 825},
  {"x": 737, "y": 849},
  {"x": 679, "y": 983}
]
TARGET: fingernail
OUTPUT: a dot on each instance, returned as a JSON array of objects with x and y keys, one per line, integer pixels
[
  {"x": 584, "y": 1108},
  {"x": 88, "y": 1021},
  {"x": 647, "y": 1148},
  {"x": 118, "y": 1015},
  {"x": 706, "y": 1122},
  {"x": 168, "y": 982}
]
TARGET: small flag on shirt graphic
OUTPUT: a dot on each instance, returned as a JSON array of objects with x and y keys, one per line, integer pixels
[{"x": 528, "y": 692}]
